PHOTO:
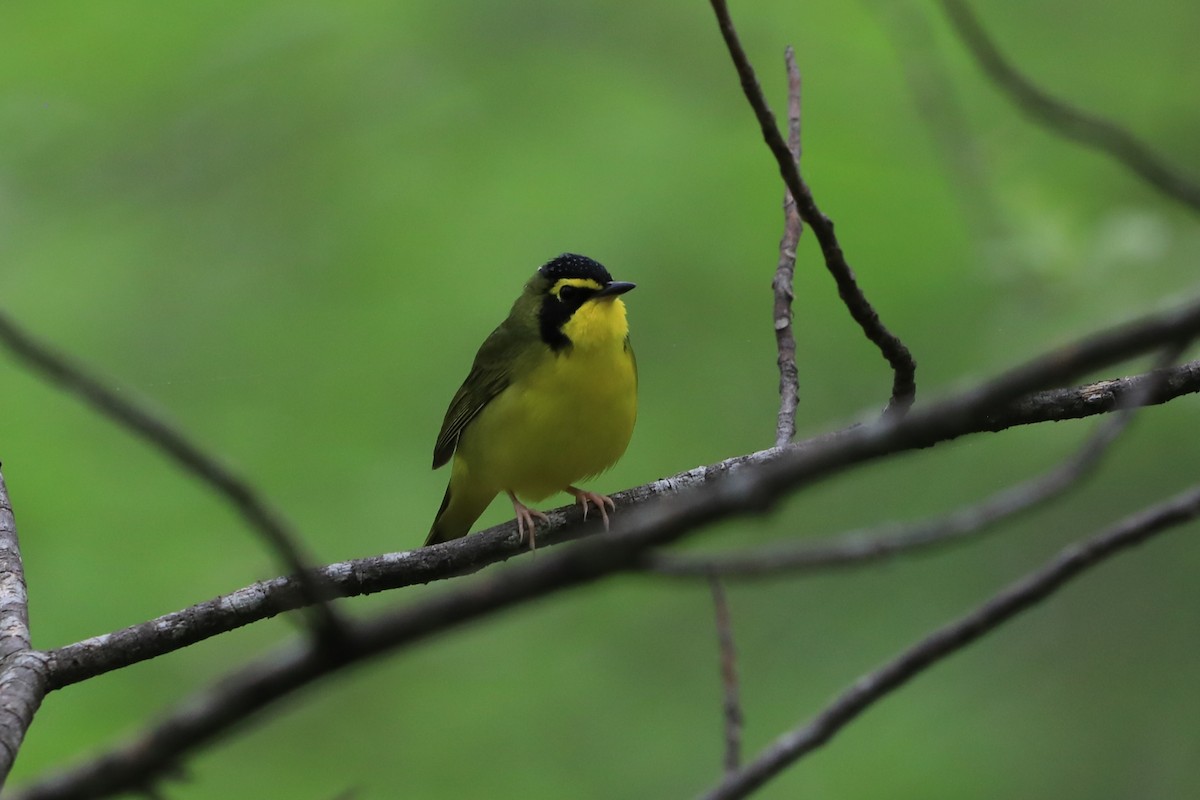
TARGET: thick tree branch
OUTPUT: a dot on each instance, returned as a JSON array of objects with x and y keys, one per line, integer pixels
[
  {"x": 22, "y": 687},
  {"x": 1059, "y": 116},
  {"x": 14, "y": 602},
  {"x": 866, "y": 546},
  {"x": 143, "y": 762},
  {"x": 100, "y": 654},
  {"x": 793, "y": 226},
  {"x": 22, "y": 670},
  {"x": 903, "y": 366},
  {"x": 871, "y": 545},
  {"x": 746, "y": 485},
  {"x": 1057, "y": 405},
  {"x": 58, "y": 370},
  {"x": 1025, "y": 593},
  {"x": 714, "y": 494},
  {"x": 233, "y": 699}
]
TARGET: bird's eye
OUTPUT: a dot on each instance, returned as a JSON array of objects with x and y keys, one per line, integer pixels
[{"x": 569, "y": 294}]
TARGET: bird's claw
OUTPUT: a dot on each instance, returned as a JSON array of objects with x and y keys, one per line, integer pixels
[
  {"x": 525, "y": 520},
  {"x": 598, "y": 500}
]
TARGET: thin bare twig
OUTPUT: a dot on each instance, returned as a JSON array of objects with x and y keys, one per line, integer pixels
[
  {"x": 731, "y": 704},
  {"x": 1058, "y": 115},
  {"x": 22, "y": 670},
  {"x": 863, "y": 547},
  {"x": 904, "y": 367},
  {"x": 100, "y": 654},
  {"x": 793, "y": 226},
  {"x": 58, "y": 370},
  {"x": 1025, "y": 593}
]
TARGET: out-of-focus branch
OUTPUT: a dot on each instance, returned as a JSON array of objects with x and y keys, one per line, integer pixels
[
  {"x": 908, "y": 25},
  {"x": 58, "y": 370},
  {"x": 731, "y": 696},
  {"x": 793, "y": 226},
  {"x": 1059, "y": 116},
  {"x": 903, "y": 365},
  {"x": 1025, "y": 593},
  {"x": 100, "y": 654},
  {"x": 146, "y": 760},
  {"x": 22, "y": 670}
]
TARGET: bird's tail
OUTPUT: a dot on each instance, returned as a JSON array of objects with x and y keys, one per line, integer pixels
[{"x": 460, "y": 509}]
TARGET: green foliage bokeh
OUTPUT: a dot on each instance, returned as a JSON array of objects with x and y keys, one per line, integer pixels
[{"x": 286, "y": 227}]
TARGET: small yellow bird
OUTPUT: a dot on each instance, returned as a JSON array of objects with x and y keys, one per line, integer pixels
[{"x": 550, "y": 400}]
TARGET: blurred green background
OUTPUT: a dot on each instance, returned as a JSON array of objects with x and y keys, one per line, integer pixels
[{"x": 286, "y": 226}]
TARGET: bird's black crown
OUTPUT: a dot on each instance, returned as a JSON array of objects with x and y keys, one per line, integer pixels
[{"x": 571, "y": 265}]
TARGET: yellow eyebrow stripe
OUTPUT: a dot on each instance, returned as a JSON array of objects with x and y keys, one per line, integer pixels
[{"x": 585, "y": 283}]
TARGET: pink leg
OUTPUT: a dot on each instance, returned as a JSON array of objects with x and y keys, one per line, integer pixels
[
  {"x": 525, "y": 516},
  {"x": 598, "y": 500}
]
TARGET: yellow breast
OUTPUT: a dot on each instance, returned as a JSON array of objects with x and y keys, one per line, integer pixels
[{"x": 568, "y": 417}]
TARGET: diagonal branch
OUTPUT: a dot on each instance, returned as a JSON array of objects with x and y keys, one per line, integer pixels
[
  {"x": 871, "y": 545},
  {"x": 904, "y": 368},
  {"x": 1064, "y": 119},
  {"x": 1025, "y": 593},
  {"x": 22, "y": 670},
  {"x": 793, "y": 226},
  {"x": 1057, "y": 405},
  {"x": 74, "y": 379},
  {"x": 236, "y": 697},
  {"x": 100, "y": 654},
  {"x": 713, "y": 494},
  {"x": 253, "y": 688}
]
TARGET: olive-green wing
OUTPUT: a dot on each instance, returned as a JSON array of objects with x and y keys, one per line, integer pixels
[{"x": 490, "y": 375}]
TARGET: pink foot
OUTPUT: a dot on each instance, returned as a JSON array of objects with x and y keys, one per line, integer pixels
[
  {"x": 598, "y": 500},
  {"x": 525, "y": 516}
]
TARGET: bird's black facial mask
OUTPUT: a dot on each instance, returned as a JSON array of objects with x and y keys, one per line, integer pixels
[
  {"x": 560, "y": 302},
  {"x": 572, "y": 281}
]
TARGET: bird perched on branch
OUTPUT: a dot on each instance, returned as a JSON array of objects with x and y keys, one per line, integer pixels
[{"x": 550, "y": 400}]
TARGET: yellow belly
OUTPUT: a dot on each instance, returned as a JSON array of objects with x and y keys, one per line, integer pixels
[{"x": 569, "y": 418}]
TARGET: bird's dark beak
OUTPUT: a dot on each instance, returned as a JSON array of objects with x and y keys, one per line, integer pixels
[{"x": 614, "y": 288}]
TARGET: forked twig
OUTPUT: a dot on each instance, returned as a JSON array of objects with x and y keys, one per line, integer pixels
[{"x": 904, "y": 367}]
